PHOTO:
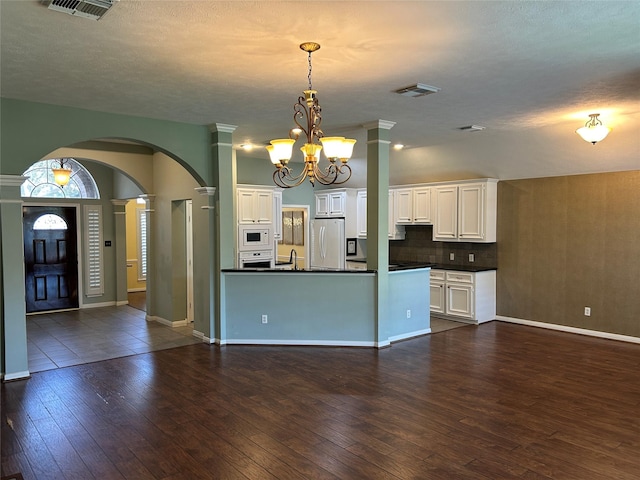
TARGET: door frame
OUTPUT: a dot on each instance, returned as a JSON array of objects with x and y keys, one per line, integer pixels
[
  {"x": 189, "y": 260},
  {"x": 79, "y": 249},
  {"x": 307, "y": 239}
]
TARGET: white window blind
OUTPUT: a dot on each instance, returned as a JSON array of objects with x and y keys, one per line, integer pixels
[
  {"x": 142, "y": 244},
  {"x": 94, "y": 270}
]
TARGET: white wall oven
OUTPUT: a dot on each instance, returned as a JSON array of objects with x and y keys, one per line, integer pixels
[
  {"x": 257, "y": 259},
  {"x": 254, "y": 238}
]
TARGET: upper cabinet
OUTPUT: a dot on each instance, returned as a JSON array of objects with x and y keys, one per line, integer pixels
[
  {"x": 339, "y": 203},
  {"x": 412, "y": 205},
  {"x": 331, "y": 203},
  {"x": 395, "y": 232},
  {"x": 255, "y": 205},
  {"x": 466, "y": 211}
]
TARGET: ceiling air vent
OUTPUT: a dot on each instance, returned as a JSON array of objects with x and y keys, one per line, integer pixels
[
  {"x": 94, "y": 9},
  {"x": 417, "y": 90},
  {"x": 472, "y": 128}
]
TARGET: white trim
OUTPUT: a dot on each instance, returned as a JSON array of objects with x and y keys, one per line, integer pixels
[
  {"x": 564, "y": 328},
  {"x": 7, "y": 377},
  {"x": 209, "y": 191},
  {"x": 168, "y": 323},
  {"x": 137, "y": 289},
  {"x": 222, "y": 127},
  {"x": 404, "y": 336},
  {"x": 4, "y": 200},
  {"x": 122, "y": 302},
  {"x": 315, "y": 343},
  {"x": 99, "y": 305},
  {"x": 379, "y": 124},
  {"x": 12, "y": 180}
]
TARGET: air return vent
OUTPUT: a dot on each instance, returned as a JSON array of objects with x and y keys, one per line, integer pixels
[
  {"x": 417, "y": 90},
  {"x": 94, "y": 9}
]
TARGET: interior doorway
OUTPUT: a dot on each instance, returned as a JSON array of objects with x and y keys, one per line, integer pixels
[
  {"x": 295, "y": 236},
  {"x": 51, "y": 258}
]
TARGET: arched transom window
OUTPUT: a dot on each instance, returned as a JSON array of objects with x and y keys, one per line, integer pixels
[{"x": 41, "y": 184}]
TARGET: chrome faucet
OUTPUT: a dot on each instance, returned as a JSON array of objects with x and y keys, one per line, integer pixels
[{"x": 293, "y": 258}]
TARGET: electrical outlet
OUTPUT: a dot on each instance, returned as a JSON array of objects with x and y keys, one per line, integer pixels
[
  {"x": 472, "y": 258},
  {"x": 408, "y": 313},
  {"x": 452, "y": 256},
  {"x": 265, "y": 319},
  {"x": 587, "y": 311}
]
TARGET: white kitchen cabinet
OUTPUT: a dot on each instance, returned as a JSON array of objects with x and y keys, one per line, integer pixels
[
  {"x": 403, "y": 203},
  {"x": 395, "y": 232},
  {"x": 422, "y": 205},
  {"x": 464, "y": 296},
  {"x": 255, "y": 205},
  {"x": 361, "y": 213},
  {"x": 466, "y": 211},
  {"x": 412, "y": 205},
  {"x": 437, "y": 290},
  {"x": 356, "y": 266},
  {"x": 277, "y": 215},
  {"x": 331, "y": 204}
]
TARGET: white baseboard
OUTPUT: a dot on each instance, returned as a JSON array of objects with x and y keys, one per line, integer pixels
[
  {"x": 122, "y": 302},
  {"x": 565, "y": 328},
  {"x": 306, "y": 343},
  {"x": 99, "y": 305},
  {"x": 9, "y": 377},
  {"x": 404, "y": 336},
  {"x": 134, "y": 290},
  {"x": 168, "y": 323}
]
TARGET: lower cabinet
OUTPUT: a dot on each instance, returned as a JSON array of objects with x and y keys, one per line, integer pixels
[{"x": 464, "y": 296}]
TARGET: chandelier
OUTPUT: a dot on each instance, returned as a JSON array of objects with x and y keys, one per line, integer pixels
[
  {"x": 307, "y": 117},
  {"x": 61, "y": 175},
  {"x": 593, "y": 131}
]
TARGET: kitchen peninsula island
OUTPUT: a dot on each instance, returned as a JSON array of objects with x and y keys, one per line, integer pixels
[{"x": 324, "y": 307}]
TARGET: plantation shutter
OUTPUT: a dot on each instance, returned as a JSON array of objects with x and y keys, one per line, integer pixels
[
  {"x": 142, "y": 244},
  {"x": 94, "y": 269}
]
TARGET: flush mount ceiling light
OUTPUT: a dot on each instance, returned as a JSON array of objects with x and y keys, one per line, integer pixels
[
  {"x": 62, "y": 174},
  {"x": 593, "y": 131},
  {"x": 335, "y": 148}
]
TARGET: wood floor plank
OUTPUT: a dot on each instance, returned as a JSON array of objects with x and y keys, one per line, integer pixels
[{"x": 496, "y": 401}]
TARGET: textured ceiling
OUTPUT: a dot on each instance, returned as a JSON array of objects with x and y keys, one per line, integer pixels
[{"x": 530, "y": 72}]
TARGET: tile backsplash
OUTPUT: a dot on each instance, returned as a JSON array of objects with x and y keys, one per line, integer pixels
[{"x": 418, "y": 247}]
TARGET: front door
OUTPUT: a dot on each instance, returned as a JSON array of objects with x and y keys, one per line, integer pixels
[{"x": 51, "y": 258}]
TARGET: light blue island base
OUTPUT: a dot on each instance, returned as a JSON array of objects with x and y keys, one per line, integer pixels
[{"x": 323, "y": 308}]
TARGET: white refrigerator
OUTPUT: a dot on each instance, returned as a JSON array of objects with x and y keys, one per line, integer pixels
[{"x": 328, "y": 244}]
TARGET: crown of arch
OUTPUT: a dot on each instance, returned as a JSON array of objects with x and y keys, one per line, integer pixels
[{"x": 41, "y": 184}]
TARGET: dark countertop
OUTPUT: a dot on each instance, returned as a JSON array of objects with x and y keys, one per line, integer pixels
[{"x": 392, "y": 268}]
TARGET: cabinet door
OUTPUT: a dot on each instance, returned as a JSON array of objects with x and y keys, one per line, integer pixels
[
  {"x": 422, "y": 205},
  {"x": 246, "y": 206},
  {"x": 361, "y": 213},
  {"x": 471, "y": 211},
  {"x": 459, "y": 300},
  {"x": 337, "y": 204},
  {"x": 277, "y": 215},
  {"x": 404, "y": 206},
  {"x": 322, "y": 205},
  {"x": 445, "y": 221},
  {"x": 264, "y": 206},
  {"x": 437, "y": 297}
]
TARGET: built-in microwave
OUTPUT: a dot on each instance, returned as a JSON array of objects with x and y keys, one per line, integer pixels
[{"x": 251, "y": 237}]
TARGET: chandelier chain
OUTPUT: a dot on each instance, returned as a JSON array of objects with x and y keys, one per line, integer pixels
[{"x": 309, "y": 74}]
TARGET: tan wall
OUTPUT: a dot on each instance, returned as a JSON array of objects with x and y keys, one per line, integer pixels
[
  {"x": 133, "y": 284},
  {"x": 569, "y": 242}
]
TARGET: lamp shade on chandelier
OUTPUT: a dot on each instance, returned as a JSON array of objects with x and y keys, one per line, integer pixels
[
  {"x": 61, "y": 175},
  {"x": 307, "y": 117},
  {"x": 593, "y": 131}
]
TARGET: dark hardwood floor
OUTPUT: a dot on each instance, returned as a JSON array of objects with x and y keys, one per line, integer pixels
[{"x": 497, "y": 401}]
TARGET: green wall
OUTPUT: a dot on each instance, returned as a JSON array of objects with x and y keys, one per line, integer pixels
[{"x": 569, "y": 242}]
